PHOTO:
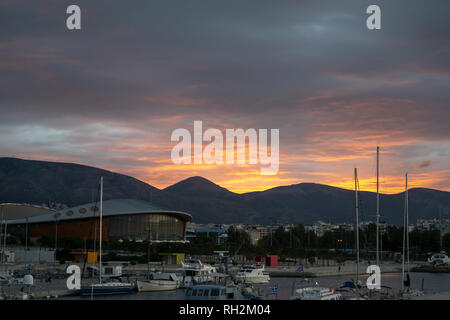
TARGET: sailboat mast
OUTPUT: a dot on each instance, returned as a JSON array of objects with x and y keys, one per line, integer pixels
[
  {"x": 404, "y": 231},
  {"x": 357, "y": 224},
  {"x": 407, "y": 223},
  {"x": 378, "y": 208},
  {"x": 101, "y": 217}
]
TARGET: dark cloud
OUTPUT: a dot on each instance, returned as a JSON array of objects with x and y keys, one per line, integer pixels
[
  {"x": 425, "y": 164},
  {"x": 310, "y": 68}
]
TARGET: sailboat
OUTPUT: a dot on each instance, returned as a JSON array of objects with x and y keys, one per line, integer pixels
[
  {"x": 406, "y": 292},
  {"x": 355, "y": 286},
  {"x": 105, "y": 288}
]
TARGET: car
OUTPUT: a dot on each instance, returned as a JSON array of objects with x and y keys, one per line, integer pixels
[{"x": 438, "y": 259}]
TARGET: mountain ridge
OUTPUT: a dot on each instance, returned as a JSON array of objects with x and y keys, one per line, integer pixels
[{"x": 35, "y": 181}]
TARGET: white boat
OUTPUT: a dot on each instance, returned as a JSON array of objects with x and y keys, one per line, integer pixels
[
  {"x": 158, "y": 282},
  {"x": 252, "y": 274},
  {"x": 316, "y": 293},
  {"x": 194, "y": 271},
  {"x": 221, "y": 289}
]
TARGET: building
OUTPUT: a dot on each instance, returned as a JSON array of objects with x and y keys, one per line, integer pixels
[
  {"x": 85, "y": 256},
  {"x": 123, "y": 219},
  {"x": 432, "y": 224},
  {"x": 268, "y": 260},
  {"x": 320, "y": 227},
  {"x": 219, "y": 232},
  {"x": 172, "y": 258},
  {"x": 257, "y": 233}
]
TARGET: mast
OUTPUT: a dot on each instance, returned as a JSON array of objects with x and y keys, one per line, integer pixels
[
  {"x": 378, "y": 207},
  {"x": 101, "y": 217},
  {"x": 357, "y": 226},
  {"x": 407, "y": 223},
  {"x": 404, "y": 230},
  {"x": 1, "y": 234}
]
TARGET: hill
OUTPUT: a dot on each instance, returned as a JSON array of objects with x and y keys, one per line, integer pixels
[{"x": 71, "y": 184}]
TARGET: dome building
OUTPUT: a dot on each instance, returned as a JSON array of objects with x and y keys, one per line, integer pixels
[{"x": 123, "y": 219}]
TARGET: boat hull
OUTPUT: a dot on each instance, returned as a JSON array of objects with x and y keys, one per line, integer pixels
[
  {"x": 106, "y": 290},
  {"x": 253, "y": 280},
  {"x": 155, "y": 285}
]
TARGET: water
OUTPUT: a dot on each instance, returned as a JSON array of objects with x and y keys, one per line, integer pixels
[{"x": 433, "y": 283}]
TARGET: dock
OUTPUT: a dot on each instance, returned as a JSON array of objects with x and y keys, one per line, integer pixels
[
  {"x": 434, "y": 296},
  {"x": 431, "y": 269},
  {"x": 349, "y": 269}
]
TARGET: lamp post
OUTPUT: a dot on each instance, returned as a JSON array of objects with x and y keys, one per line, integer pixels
[
  {"x": 148, "y": 250},
  {"x": 56, "y": 231}
]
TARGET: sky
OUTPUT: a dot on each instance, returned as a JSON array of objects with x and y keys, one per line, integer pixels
[{"x": 110, "y": 95}]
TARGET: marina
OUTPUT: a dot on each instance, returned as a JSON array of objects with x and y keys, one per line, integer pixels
[{"x": 433, "y": 284}]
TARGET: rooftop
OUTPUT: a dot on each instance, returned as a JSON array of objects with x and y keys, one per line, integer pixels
[{"x": 109, "y": 208}]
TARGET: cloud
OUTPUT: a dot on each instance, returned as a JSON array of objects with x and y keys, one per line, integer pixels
[
  {"x": 112, "y": 93},
  {"x": 425, "y": 164}
]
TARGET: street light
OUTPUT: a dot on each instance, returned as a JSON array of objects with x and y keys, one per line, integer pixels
[
  {"x": 56, "y": 231},
  {"x": 148, "y": 249}
]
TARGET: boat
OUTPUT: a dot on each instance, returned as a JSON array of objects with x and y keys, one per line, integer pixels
[
  {"x": 221, "y": 289},
  {"x": 194, "y": 271},
  {"x": 315, "y": 293},
  {"x": 252, "y": 274},
  {"x": 213, "y": 292},
  {"x": 105, "y": 287},
  {"x": 158, "y": 282},
  {"x": 251, "y": 292}
]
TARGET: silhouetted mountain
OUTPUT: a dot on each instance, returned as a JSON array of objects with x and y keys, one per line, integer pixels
[
  {"x": 195, "y": 186},
  {"x": 40, "y": 182},
  {"x": 312, "y": 201},
  {"x": 208, "y": 202},
  {"x": 72, "y": 184}
]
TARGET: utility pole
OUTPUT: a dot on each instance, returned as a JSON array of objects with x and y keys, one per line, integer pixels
[
  {"x": 271, "y": 236},
  {"x": 290, "y": 238},
  {"x": 26, "y": 233},
  {"x": 148, "y": 251},
  {"x": 56, "y": 234}
]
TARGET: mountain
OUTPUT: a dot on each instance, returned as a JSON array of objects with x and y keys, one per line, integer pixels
[
  {"x": 208, "y": 202},
  {"x": 195, "y": 186},
  {"x": 315, "y": 201},
  {"x": 39, "y": 182}
]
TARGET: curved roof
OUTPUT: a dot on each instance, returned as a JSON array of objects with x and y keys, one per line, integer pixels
[
  {"x": 110, "y": 208},
  {"x": 15, "y": 211}
]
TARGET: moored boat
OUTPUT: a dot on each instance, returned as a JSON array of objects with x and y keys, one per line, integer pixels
[
  {"x": 158, "y": 282},
  {"x": 194, "y": 271},
  {"x": 252, "y": 274},
  {"x": 106, "y": 288},
  {"x": 316, "y": 293}
]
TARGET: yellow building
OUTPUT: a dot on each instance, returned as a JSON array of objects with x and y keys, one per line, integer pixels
[
  {"x": 172, "y": 258},
  {"x": 81, "y": 256}
]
